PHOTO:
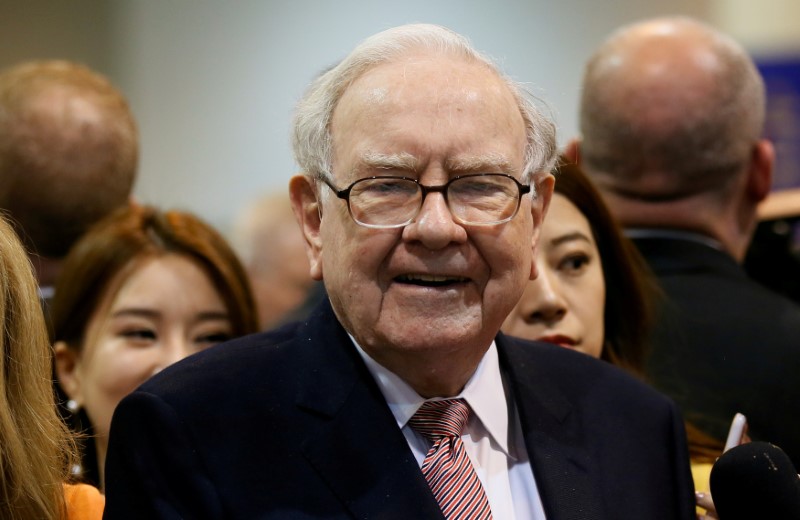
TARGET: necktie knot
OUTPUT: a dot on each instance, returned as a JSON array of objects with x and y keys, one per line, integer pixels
[{"x": 437, "y": 419}]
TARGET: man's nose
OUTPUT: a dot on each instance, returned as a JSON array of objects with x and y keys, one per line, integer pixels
[{"x": 434, "y": 225}]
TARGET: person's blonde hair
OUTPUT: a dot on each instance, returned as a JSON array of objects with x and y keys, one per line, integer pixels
[{"x": 36, "y": 449}]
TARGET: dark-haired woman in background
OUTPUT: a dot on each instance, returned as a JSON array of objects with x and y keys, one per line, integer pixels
[
  {"x": 594, "y": 293},
  {"x": 140, "y": 291}
]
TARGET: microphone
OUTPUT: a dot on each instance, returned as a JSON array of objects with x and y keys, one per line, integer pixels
[{"x": 755, "y": 480}]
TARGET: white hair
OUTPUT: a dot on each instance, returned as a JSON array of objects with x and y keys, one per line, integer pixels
[{"x": 311, "y": 136}]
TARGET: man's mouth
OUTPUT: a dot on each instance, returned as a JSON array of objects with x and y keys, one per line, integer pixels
[{"x": 430, "y": 280}]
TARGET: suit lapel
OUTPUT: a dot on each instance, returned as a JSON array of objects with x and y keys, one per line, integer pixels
[
  {"x": 357, "y": 448},
  {"x": 553, "y": 436}
]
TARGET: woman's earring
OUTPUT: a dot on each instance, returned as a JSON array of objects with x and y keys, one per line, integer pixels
[{"x": 73, "y": 406}]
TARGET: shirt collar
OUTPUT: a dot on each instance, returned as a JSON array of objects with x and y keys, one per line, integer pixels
[{"x": 483, "y": 392}]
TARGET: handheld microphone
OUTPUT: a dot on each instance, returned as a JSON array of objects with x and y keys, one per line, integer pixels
[{"x": 755, "y": 480}]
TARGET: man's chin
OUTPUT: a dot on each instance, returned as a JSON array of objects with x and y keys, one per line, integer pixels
[
  {"x": 430, "y": 332},
  {"x": 405, "y": 324}
]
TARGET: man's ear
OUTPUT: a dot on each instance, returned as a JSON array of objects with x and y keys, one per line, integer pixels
[
  {"x": 308, "y": 212},
  {"x": 572, "y": 151},
  {"x": 66, "y": 363},
  {"x": 759, "y": 177},
  {"x": 539, "y": 206}
]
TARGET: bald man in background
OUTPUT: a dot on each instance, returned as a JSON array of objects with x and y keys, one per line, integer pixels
[
  {"x": 68, "y": 157},
  {"x": 273, "y": 251},
  {"x": 672, "y": 116}
]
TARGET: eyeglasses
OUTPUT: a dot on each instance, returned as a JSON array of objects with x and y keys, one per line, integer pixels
[{"x": 480, "y": 199}]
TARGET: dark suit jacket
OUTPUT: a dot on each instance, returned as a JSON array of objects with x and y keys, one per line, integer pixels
[
  {"x": 725, "y": 344},
  {"x": 291, "y": 425}
]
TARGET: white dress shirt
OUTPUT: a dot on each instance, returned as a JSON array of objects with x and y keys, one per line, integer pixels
[{"x": 492, "y": 438}]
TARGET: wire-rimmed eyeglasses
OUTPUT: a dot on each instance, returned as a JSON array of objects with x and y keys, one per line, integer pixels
[{"x": 479, "y": 199}]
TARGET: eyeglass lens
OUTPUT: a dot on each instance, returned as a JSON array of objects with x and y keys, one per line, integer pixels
[{"x": 478, "y": 199}]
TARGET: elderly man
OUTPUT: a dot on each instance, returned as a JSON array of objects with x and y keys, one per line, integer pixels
[
  {"x": 671, "y": 119},
  {"x": 426, "y": 184}
]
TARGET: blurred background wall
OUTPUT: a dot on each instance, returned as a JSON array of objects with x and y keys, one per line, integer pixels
[{"x": 213, "y": 83}]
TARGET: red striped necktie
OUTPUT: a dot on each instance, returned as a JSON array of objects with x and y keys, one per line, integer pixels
[{"x": 447, "y": 468}]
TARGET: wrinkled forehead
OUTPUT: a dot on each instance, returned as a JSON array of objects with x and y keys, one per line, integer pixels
[
  {"x": 419, "y": 74},
  {"x": 463, "y": 100}
]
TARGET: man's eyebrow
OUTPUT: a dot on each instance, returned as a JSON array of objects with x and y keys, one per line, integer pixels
[
  {"x": 488, "y": 163},
  {"x": 382, "y": 161}
]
